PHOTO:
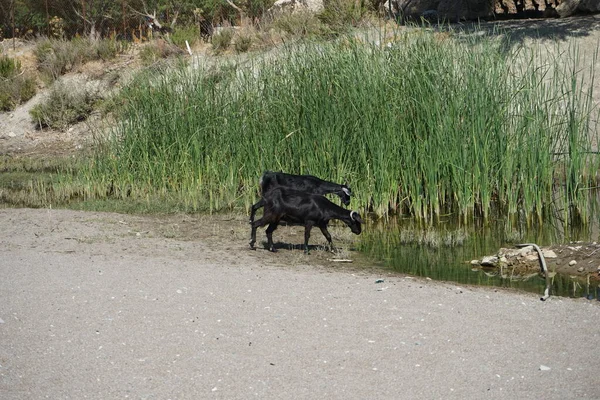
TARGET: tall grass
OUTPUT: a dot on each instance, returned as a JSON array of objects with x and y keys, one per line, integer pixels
[{"x": 428, "y": 125}]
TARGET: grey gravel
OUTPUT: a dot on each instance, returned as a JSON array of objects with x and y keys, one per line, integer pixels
[{"x": 114, "y": 315}]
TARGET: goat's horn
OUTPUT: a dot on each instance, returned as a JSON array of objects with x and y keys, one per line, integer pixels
[{"x": 352, "y": 213}]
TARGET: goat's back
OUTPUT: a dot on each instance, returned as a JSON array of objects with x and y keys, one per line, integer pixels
[{"x": 304, "y": 183}]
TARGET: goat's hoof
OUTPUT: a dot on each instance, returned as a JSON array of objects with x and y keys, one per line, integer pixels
[
  {"x": 273, "y": 250},
  {"x": 252, "y": 247}
]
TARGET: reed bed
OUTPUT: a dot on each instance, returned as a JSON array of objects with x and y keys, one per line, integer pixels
[{"x": 424, "y": 124}]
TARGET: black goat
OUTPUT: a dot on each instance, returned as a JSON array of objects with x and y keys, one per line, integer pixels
[
  {"x": 304, "y": 183},
  {"x": 301, "y": 208}
]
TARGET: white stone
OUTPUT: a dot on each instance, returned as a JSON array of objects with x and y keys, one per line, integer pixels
[
  {"x": 291, "y": 6},
  {"x": 489, "y": 260},
  {"x": 549, "y": 254},
  {"x": 572, "y": 262}
]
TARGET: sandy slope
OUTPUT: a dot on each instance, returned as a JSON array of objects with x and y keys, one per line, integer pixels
[{"x": 107, "y": 306}]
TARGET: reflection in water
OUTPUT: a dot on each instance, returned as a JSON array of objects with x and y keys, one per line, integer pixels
[{"x": 443, "y": 251}]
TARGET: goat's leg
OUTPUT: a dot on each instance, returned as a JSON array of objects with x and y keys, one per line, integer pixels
[
  {"x": 272, "y": 226},
  {"x": 255, "y": 225},
  {"x": 255, "y": 207},
  {"x": 327, "y": 235},
  {"x": 307, "y": 229}
]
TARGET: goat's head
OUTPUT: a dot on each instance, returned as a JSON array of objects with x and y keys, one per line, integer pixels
[
  {"x": 345, "y": 194},
  {"x": 355, "y": 223}
]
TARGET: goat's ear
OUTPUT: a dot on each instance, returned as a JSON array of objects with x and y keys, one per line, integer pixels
[{"x": 347, "y": 190}]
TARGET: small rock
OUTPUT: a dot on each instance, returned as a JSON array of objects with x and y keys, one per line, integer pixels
[
  {"x": 544, "y": 368},
  {"x": 526, "y": 249},
  {"x": 549, "y": 254},
  {"x": 12, "y": 134},
  {"x": 503, "y": 260},
  {"x": 489, "y": 260},
  {"x": 379, "y": 281},
  {"x": 531, "y": 257},
  {"x": 476, "y": 262},
  {"x": 572, "y": 262},
  {"x": 580, "y": 269}
]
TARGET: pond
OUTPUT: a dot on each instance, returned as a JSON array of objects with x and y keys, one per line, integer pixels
[{"x": 444, "y": 250}]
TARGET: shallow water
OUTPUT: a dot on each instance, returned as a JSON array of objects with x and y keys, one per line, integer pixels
[{"x": 443, "y": 251}]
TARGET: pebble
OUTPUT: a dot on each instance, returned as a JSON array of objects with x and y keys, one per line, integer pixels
[
  {"x": 580, "y": 269},
  {"x": 549, "y": 254},
  {"x": 489, "y": 260},
  {"x": 572, "y": 262},
  {"x": 544, "y": 368}
]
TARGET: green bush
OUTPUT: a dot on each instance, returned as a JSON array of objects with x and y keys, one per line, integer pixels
[
  {"x": 157, "y": 50},
  {"x": 300, "y": 24},
  {"x": 341, "y": 15},
  {"x": 108, "y": 49},
  {"x": 191, "y": 33},
  {"x": 222, "y": 39},
  {"x": 64, "y": 106},
  {"x": 16, "y": 86},
  {"x": 9, "y": 67},
  {"x": 58, "y": 56},
  {"x": 242, "y": 43}
]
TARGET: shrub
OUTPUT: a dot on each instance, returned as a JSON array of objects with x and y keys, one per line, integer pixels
[
  {"x": 58, "y": 56},
  {"x": 191, "y": 33},
  {"x": 300, "y": 24},
  {"x": 242, "y": 43},
  {"x": 108, "y": 49},
  {"x": 341, "y": 15},
  {"x": 65, "y": 105},
  {"x": 16, "y": 86},
  {"x": 222, "y": 39},
  {"x": 157, "y": 50},
  {"x": 9, "y": 67}
]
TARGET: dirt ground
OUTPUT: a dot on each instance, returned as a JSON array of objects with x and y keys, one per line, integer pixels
[{"x": 102, "y": 306}]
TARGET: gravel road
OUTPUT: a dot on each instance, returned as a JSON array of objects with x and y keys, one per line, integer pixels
[{"x": 108, "y": 306}]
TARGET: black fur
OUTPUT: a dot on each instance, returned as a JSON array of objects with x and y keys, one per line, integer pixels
[
  {"x": 301, "y": 208},
  {"x": 304, "y": 183}
]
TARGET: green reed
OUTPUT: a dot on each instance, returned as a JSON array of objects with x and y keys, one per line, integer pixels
[{"x": 426, "y": 126}]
